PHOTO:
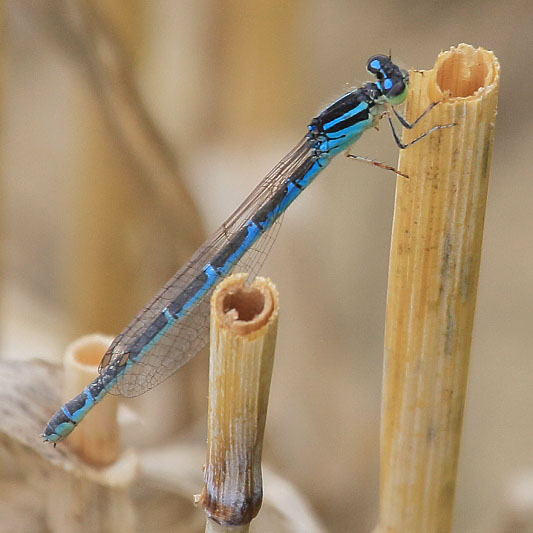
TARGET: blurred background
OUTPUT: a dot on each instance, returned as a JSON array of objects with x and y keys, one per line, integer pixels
[{"x": 131, "y": 130}]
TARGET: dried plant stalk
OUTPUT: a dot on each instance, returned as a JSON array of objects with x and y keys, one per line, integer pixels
[
  {"x": 92, "y": 496},
  {"x": 433, "y": 275},
  {"x": 243, "y": 336},
  {"x": 96, "y": 441}
]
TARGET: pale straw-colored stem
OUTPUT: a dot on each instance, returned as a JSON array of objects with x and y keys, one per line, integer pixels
[
  {"x": 433, "y": 276},
  {"x": 96, "y": 440},
  {"x": 93, "y": 495},
  {"x": 243, "y": 336}
]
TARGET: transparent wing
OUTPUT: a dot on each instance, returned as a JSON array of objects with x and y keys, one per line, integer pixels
[{"x": 181, "y": 341}]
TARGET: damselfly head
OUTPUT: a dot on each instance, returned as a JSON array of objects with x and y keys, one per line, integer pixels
[{"x": 391, "y": 80}]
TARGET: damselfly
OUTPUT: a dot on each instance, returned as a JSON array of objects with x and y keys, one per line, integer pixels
[{"x": 174, "y": 326}]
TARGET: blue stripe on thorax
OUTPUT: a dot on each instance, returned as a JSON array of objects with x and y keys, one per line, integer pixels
[
  {"x": 350, "y": 113},
  {"x": 343, "y": 139}
]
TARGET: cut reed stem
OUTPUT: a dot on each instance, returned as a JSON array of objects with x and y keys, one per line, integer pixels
[
  {"x": 243, "y": 336},
  {"x": 433, "y": 276},
  {"x": 93, "y": 495},
  {"x": 96, "y": 441}
]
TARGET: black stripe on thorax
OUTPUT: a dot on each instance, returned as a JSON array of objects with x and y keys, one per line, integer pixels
[
  {"x": 367, "y": 94},
  {"x": 350, "y": 121}
]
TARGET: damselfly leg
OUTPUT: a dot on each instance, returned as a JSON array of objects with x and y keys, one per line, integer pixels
[
  {"x": 378, "y": 164},
  {"x": 402, "y": 146},
  {"x": 411, "y": 125}
]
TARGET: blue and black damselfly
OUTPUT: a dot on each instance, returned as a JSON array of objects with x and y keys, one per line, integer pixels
[{"x": 175, "y": 324}]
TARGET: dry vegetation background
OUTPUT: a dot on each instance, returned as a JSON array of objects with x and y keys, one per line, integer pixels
[{"x": 95, "y": 220}]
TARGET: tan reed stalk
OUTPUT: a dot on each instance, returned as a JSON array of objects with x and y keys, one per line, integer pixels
[
  {"x": 433, "y": 276},
  {"x": 243, "y": 337},
  {"x": 91, "y": 494},
  {"x": 96, "y": 441}
]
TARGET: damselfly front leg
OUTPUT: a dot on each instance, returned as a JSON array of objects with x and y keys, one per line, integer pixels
[
  {"x": 402, "y": 146},
  {"x": 411, "y": 125}
]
